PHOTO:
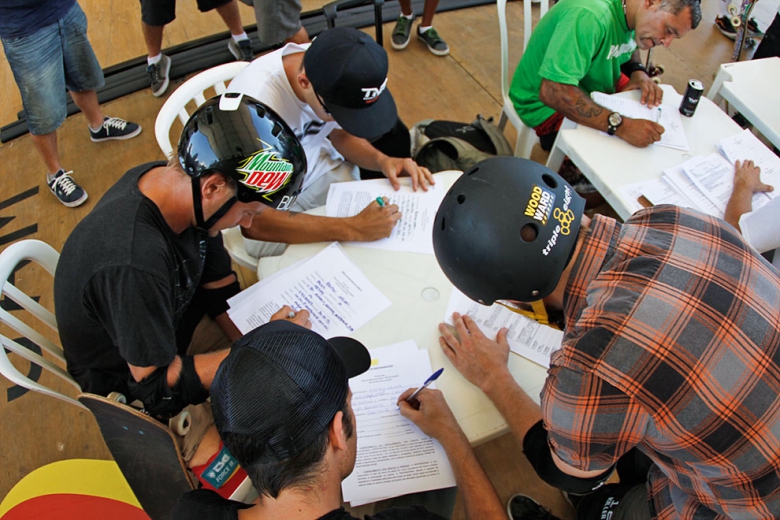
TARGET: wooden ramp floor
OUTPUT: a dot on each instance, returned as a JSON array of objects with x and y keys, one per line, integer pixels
[{"x": 38, "y": 430}]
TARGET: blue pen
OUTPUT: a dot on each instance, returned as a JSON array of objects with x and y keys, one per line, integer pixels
[
  {"x": 380, "y": 201},
  {"x": 427, "y": 382}
]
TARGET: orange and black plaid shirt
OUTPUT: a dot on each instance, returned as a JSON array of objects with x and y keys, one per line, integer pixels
[{"x": 672, "y": 344}]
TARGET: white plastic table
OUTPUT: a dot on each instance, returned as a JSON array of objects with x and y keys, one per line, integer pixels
[
  {"x": 751, "y": 88},
  {"x": 419, "y": 292},
  {"x": 611, "y": 163}
]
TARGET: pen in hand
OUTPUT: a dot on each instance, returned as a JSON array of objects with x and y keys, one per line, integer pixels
[
  {"x": 411, "y": 399},
  {"x": 380, "y": 201}
]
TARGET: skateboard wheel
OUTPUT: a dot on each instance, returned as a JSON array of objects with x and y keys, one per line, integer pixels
[
  {"x": 118, "y": 397},
  {"x": 659, "y": 69},
  {"x": 732, "y": 9},
  {"x": 736, "y": 21},
  {"x": 180, "y": 424}
]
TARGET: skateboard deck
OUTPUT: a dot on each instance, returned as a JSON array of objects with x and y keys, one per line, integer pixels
[
  {"x": 741, "y": 15},
  {"x": 145, "y": 451}
]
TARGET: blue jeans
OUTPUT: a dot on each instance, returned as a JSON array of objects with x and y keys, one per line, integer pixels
[{"x": 47, "y": 62}]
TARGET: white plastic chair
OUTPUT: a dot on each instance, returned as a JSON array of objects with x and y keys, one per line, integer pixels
[
  {"x": 44, "y": 255},
  {"x": 193, "y": 90},
  {"x": 526, "y": 137}
]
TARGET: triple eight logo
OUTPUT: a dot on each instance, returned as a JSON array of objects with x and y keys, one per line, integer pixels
[{"x": 265, "y": 171}]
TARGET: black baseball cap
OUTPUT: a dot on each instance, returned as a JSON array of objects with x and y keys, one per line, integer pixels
[
  {"x": 282, "y": 384},
  {"x": 348, "y": 71}
]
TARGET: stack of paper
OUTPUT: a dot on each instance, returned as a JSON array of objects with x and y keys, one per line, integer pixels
[
  {"x": 418, "y": 209},
  {"x": 526, "y": 337},
  {"x": 393, "y": 456},
  {"x": 337, "y": 294},
  {"x": 666, "y": 115},
  {"x": 706, "y": 184}
]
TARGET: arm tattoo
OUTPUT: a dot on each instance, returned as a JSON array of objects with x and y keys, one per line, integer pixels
[
  {"x": 586, "y": 107},
  {"x": 571, "y": 101}
]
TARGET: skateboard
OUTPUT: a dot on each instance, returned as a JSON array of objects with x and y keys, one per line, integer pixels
[
  {"x": 740, "y": 14},
  {"x": 146, "y": 452},
  {"x": 653, "y": 70}
]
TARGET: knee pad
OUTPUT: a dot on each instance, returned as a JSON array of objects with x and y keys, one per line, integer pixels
[
  {"x": 165, "y": 402},
  {"x": 537, "y": 451}
]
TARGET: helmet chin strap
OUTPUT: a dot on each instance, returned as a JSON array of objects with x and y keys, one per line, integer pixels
[
  {"x": 197, "y": 204},
  {"x": 537, "y": 313}
]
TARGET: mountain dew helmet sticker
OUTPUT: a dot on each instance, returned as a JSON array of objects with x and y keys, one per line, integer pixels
[{"x": 265, "y": 171}]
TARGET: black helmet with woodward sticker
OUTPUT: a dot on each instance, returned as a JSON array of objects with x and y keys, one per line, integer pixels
[
  {"x": 247, "y": 141},
  {"x": 506, "y": 230}
]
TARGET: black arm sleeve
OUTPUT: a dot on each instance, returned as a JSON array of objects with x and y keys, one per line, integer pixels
[{"x": 630, "y": 67}]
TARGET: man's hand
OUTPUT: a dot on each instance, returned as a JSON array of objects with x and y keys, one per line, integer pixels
[
  {"x": 287, "y": 313},
  {"x": 479, "y": 359},
  {"x": 639, "y": 132},
  {"x": 748, "y": 176},
  {"x": 652, "y": 94},
  {"x": 433, "y": 417},
  {"x": 374, "y": 222},
  {"x": 393, "y": 167}
]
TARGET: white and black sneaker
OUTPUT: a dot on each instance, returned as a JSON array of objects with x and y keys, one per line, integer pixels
[
  {"x": 159, "y": 75},
  {"x": 241, "y": 51},
  {"x": 114, "y": 128},
  {"x": 66, "y": 190},
  {"x": 523, "y": 507}
]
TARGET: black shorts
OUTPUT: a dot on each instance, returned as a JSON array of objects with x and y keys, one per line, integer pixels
[{"x": 163, "y": 12}]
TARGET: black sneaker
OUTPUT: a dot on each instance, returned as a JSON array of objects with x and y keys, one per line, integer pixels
[
  {"x": 723, "y": 23},
  {"x": 66, "y": 190},
  {"x": 114, "y": 128},
  {"x": 522, "y": 507},
  {"x": 753, "y": 30},
  {"x": 402, "y": 33},
  {"x": 158, "y": 75},
  {"x": 434, "y": 42},
  {"x": 241, "y": 51}
]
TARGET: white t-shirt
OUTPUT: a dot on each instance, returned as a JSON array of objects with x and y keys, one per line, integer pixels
[{"x": 265, "y": 80}]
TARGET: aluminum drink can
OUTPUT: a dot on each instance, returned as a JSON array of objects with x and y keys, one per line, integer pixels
[{"x": 691, "y": 97}]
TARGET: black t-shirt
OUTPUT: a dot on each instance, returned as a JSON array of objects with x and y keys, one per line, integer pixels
[
  {"x": 205, "y": 504},
  {"x": 122, "y": 283}
]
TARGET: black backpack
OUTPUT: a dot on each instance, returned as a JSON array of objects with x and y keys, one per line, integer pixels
[{"x": 450, "y": 145}]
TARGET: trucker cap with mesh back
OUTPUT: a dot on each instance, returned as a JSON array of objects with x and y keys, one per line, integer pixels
[{"x": 283, "y": 384}]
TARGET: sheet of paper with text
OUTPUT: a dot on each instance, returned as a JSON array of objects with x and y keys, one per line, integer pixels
[
  {"x": 393, "y": 456},
  {"x": 338, "y": 295},
  {"x": 418, "y": 209},
  {"x": 526, "y": 337}
]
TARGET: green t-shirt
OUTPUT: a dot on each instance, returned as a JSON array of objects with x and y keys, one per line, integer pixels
[{"x": 578, "y": 42}]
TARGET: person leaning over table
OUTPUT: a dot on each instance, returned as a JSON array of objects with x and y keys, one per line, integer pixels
[
  {"x": 139, "y": 272},
  {"x": 584, "y": 46},
  {"x": 671, "y": 328},
  {"x": 333, "y": 93},
  {"x": 299, "y": 441}
]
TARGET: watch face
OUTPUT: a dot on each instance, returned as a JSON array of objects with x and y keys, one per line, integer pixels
[{"x": 615, "y": 119}]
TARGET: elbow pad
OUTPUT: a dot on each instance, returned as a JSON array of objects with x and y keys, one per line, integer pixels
[
  {"x": 216, "y": 299},
  {"x": 164, "y": 402},
  {"x": 537, "y": 451}
]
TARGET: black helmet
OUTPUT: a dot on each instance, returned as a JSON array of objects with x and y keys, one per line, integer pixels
[
  {"x": 506, "y": 230},
  {"x": 245, "y": 140}
]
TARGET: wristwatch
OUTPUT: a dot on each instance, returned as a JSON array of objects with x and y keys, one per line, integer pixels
[{"x": 614, "y": 121}]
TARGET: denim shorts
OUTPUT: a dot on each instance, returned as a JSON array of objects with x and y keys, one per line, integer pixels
[{"x": 47, "y": 62}]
